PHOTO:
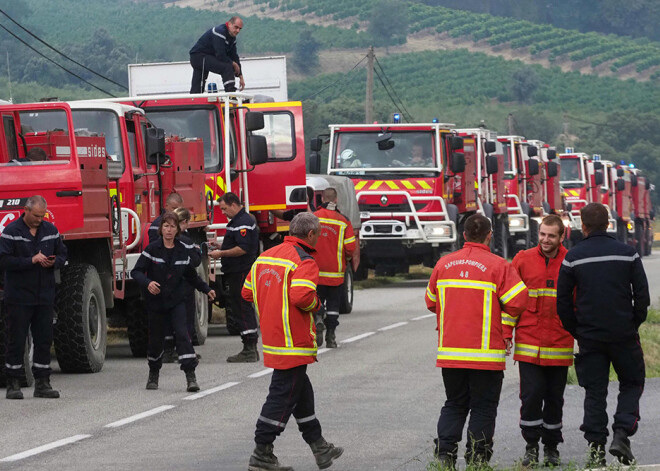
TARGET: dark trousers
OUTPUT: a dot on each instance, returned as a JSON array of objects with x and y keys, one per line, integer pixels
[
  {"x": 476, "y": 392},
  {"x": 241, "y": 312},
  {"x": 202, "y": 64},
  {"x": 330, "y": 298},
  {"x": 158, "y": 322},
  {"x": 190, "y": 322},
  {"x": 21, "y": 320},
  {"x": 542, "y": 397},
  {"x": 290, "y": 393},
  {"x": 592, "y": 365}
]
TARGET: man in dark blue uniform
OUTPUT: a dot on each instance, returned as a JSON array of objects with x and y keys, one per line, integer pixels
[
  {"x": 602, "y": 298},
  {"x": 238, "y": 252},
  {"x": 31, "y": 249},
  {"x": 216, "y": 52}
]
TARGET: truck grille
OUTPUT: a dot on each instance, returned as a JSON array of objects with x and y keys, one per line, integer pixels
[{"x": 394, "y": 208}]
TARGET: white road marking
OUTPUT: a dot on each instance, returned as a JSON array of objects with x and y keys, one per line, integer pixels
[
  {"x": 323, "y": 350},
  {"x": 142, "y": 415},
  {"x": 261, "y": 373},
  {"x": 425, "y": 316},
  {"x": 206, "y": 392},
  {"x": 41, "y": 449},
  {"x": 392, "y": 326},
  {"x": 358, "y": 337}
]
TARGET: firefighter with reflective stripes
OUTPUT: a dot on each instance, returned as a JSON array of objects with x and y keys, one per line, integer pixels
[
  {"x": 238, "y": 252},
  {"x": 162, "y": 272},
  {"x": 602, "y": 299},
  {"x": 282, "y": 285},
  {"x": 336, "y": 243},
  {"x": 543, "y": 348},
  {"x": 31, "y": 249},
  {"x": 468, "y": 290}
]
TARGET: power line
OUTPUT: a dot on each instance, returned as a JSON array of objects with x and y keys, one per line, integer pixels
[
  {"x": 343, "y": 78},
  {"x": 390, "y": 95},
  {"x": 394, "y": 90},
  {"x": 61, "y": 53},
  {"x": 59, "y": 65}
]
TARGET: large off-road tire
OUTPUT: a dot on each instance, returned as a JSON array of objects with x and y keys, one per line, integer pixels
[
  {"x": 137, "y": 327},
  {"x": 27, "y": 379},
  {"x": 346, "y": 299},
  {"x": 81, "y": 331},
  {"x": 500, "y": 241},
  {"x": 201, "y": 324},
  {"x": 640, "y": 237}
]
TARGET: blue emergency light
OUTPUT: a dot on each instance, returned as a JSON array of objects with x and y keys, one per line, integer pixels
[
  {"x": 622, "y": 162},
  {"x": 632, "y": 165},
  {"x": 434, "y": 120},
  {"x": 397, "y": 118},
  {"x": 596, "y": 156}
]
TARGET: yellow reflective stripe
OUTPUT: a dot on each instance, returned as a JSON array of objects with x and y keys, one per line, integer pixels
[
  {"x": 280, "y": 262},
  {"x": 423, "y": 184},
  {"x": 221, "y": 184},
  {"x": 332, "y": 221},
  {"x": 392, "y": 185},
  {"x": 330, "y": 274},
  {"x": 288, "y": 351},
  {"x": 431, "y": 296},
  {"x": 532, "y": 293},
  {"x": 408, "y": 184},
  {"x": 451, "y": 283},
  {"x": 485, "y": 334},
  {"x": 375, "y": 184},
  {"x": 526, "y": 350},
  {"x": 340, "y": 246},
  {"x": 349, "y": 240},
  {"x": 311, "y": 306},
  {"x": 508, "y": 320},
  {"x": 513, "y": 292},
  {"x": 557, "y": 354},
  {"x": 441, "y": 326},
  {"x": 471, "y": 354},
  {"x": 247, "y": 284},
  {"x": 549, "y": 292},
  {"x": 253, "y": 272},
  {"x": 286, "y": 324},
  {"x": 301, "y": 282},
  {"x": 360, "y": 184}
]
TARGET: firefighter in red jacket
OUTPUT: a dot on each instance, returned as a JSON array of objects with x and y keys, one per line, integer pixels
[
  {"x": 468, "y": 290},
  {"x": 336, "y": 243},
  {"x": 543, "y": 348},
  {"x": 282, "y": 285}
]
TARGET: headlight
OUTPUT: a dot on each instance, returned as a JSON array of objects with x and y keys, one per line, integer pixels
[
  {"x": 516, "y": 222},
  {"x": 437, "y": 231}
]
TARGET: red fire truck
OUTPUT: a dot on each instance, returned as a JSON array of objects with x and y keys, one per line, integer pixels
[
  {"x": 399, "y": 173},
  {"x": 644, "y": 212}
]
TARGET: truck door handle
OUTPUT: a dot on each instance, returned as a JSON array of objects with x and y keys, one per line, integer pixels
[{"x": 69, "y": 193}]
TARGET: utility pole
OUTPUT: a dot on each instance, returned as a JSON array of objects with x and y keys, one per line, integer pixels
[
  {"x": 369, "y": 101},
  {"x": 510, "y": 123}
]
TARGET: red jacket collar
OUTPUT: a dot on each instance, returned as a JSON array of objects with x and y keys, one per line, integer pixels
[
  {"x": 561, "y": 253},
  {"x": 301, "y": 243},
  {"x": 476, "y": 245}
]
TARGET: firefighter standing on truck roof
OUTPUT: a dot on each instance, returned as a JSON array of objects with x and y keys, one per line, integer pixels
[
  {"x": 162, "y": 271},
  {"x": 602, "y": 299},
  {"x": 282, "y": 285},
  {"x": 468, "y": 291},
  {"x": 543, "y": 347},
  {"x": 215, "y": 51},
  {"x": 31, "y": 249},
  {"x": 336, "y": 242},
  {"x": 239, "y": 250}
]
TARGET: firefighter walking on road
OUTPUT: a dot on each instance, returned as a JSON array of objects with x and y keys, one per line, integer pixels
[
  {"x": 31, "y": 249},
  {"x": 468, "y": 290},
  {"x": 336, "y": 243},
  {"x": 543, "y": 348},
  {"x": 282, "y": 285},
  {"x": 239, "y": 250},
  {"x": 602, "y": 299}
]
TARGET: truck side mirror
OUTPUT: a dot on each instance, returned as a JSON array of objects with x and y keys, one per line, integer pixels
[
  {"x": 552, "y": 169},
  {"x": 456, "y": 143},
  {"x": 254, "y": 121},
  {"x": 257, "y": 149},
  {"x": 598, "y": 165},
  {"x": 551, "y": 154},
  {"x": 457, "y": 162},
  {"x": 620, "y": 184},
  {"x": 315, "y": 144},
  {"x": 598, "y": 178},
  {"x": 155, "y": 146},
  {"x": 385, "y": 141},
  {"x": 115, "y": 168},
  {"x": 315, "y": 162},
  {"x": 489, "y": 147},
  {"x": 619, "y": 172},
  {"x": 532, "y": 151},
  {"x": 491, "y": 164},
  {"x": 533, "y": 167},
  {"x": 633, "y": 180}
]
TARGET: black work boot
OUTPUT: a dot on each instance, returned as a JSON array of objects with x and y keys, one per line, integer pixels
[
  {"x": 531, "y": 458},
  {"x": 42, "y": 388},
  {"x": 445, "y": 461},
  {"x": 596, "y": 457},
  {"x": 330, "y": 340},
  {"x": 249, "y": 354},
  {"x": 551, "y": 455},
  {"x": 621, "y": 447},
  {"x": 192, "y": 381},
  {"x": 325, "y": 452},
  {"x": 14, "y": 388},
  {"x": 152, "y": 382},
  {"x": 263, "y": 459}
]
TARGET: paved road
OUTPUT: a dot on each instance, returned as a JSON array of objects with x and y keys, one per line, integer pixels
[{"x": 378, "y": 395}]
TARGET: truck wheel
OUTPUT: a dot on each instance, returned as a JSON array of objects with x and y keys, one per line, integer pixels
[
  {"x": 200, "y": 332},
  {"x": 362, "y": 272},
  {"x": 137, "y": 327},
  {"x": 27, "y": 380},
  {"x": 346, "y": 300},
  {"x": 501, "y": 236},
  {"x": 80, "y": 334},
  {"x": 639, "y": 237}
]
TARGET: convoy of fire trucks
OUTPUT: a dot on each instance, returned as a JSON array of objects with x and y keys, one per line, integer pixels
[{"x": 407, "y": 187}]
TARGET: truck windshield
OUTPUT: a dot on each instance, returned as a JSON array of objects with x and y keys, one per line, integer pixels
[
  {"x": 43, "y": 139},
  {"x": 570, "y": 171},
  {"x": 509, "y": 156},
  {"x": 100, "y": 124},
  {"x": 358, "y": 152},
  {"x": 193, "y": 123}
]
